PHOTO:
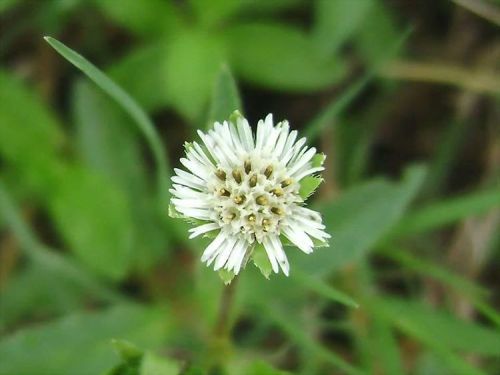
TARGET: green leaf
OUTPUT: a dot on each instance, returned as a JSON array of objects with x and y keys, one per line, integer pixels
[
  {"x": 94, "y": 219},
  {"x": 261, "y": 260},
  {"x": 155, "y": 365},
  {"x": 127, "y": 350},
  {"x": 193, "y": 60},
  {"x": 108, "y": 144},
  {"x": 76, "y": 344},
  {"x": 226, "y": 276},
  {"x": 336, "y": 21},
  {"x": 225, "y": 97},
  {"x": 279, "y": 57},
  {"x": 360, "y": 218},
  {"x": 308, "y": 186},
  {"x": 29, "y": 138},
  {"x": 129, "y": 105},
  {"x": 447, "y": 212}
]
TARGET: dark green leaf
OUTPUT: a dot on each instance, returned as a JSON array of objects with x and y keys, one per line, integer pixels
[{"x": 279, "y": 57}]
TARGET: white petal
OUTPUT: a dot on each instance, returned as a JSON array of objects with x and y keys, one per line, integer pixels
[
  {"x": 226, "y": 249},
  {"x": 301, "y": 161},
  {"x": 299, "y": 175},
  {"x": 268, "y": 246},
  {"x": 236, "y": 257},
  {"x": 191, "y": 203},
  {"x": 280, "y": 254},
  {"x": 195, "y": 232},
  {"x": 245, "y": 133},
  {"x": 299, "y": 238},
  {"x": 213, "y": 248}
]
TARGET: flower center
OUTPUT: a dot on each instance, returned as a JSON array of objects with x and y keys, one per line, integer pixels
[{"x": 252, "y": 199}]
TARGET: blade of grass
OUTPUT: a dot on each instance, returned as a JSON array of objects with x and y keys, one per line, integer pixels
[
  {"x": 446, "y": 212},
  {"x": 225, "y": 97},
  {"x": 129, "y": 105},
  {"x": 406, "y": 259},
  {"x": 322, "y": 288},
  {"x": 300, "y": 337}
]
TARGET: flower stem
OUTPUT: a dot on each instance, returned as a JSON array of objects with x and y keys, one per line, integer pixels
[
  {"x": 220, "y": 346},
  {"x": 222, "y": 326}
]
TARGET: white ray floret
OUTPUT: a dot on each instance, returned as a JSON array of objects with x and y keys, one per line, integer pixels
[{"x": 245, "y": 191}]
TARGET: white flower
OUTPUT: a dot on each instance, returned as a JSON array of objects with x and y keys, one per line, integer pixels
[{"x": 245, "y": 190}]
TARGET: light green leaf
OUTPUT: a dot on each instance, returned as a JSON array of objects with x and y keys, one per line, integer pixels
[
  {"x": 280, "y": 57},
  {"x": 225, "y": 97},
  {"x": 77, "y": 344},
  {"x": 261, "y": 260},
  {"x": 155, "y": 365},
  {"x": 226, "y": 276},
  {"x": 318, "y": 160},
  {"x": 141, "y": 74},
  {"x": 129, "y": 105},
  {"x": 308, "y": 186},
  {"x": 360, "y": 218},
  {"x": 193, "y": 60},
  {"x": 95, "y": 220}
]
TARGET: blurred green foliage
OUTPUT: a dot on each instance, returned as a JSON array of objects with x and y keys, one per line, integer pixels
[{"x": 90, "y": 262}]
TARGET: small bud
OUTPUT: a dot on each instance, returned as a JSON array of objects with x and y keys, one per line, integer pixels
[
  {"x": 261, "y": 200},
  {"x": 277, "y": 192},
  {"x": 253, "y": 181},
  {"x": 237, "y": 176},
  {"x": 251, "y": 218},
  {"x": 221, "y": 174},
  {"x": 239, "y": 199},
  {"x": 277, "y": 211},
  {"x": 248, "y": 166},
  {"x": 286, "y": 182},
  {"x": 269, "y": 171}
]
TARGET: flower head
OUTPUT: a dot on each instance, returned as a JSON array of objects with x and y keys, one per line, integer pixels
[{"x": 246, "y": 191}]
